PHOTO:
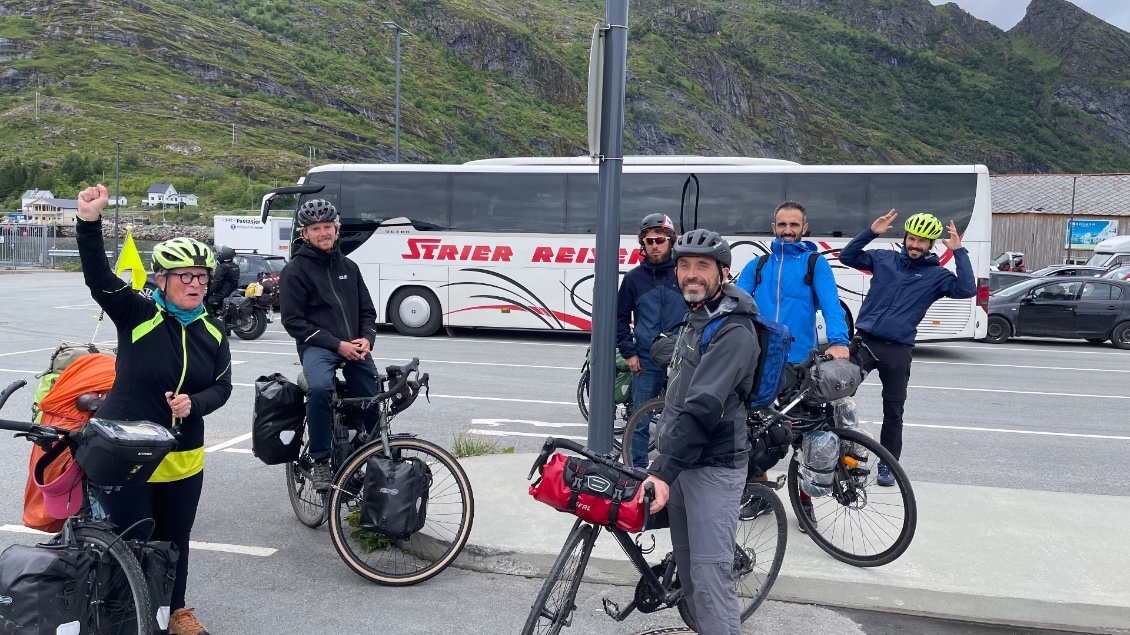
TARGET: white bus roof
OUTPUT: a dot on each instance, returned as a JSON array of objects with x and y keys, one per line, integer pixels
[
  {"x": 1116, "y": 245},
  {"x": 584, "y": 166},
  {"x": 677, "y": 159}
]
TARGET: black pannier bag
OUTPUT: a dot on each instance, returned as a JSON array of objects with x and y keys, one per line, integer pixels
[
  {"x": 834, "y": 380},
  {"x": 114, "y": 453},
  {"x": 44, "y": 590},
  {"x": 158, "y": 560},
  {"x": 280, "y": 416},
  {"x": 394, "y": 501},
  {"x": 240, "y": 307},
  {"x": 770, "y": 436}
]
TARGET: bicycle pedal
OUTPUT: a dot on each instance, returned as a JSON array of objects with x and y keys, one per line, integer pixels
[{"x": 611, "y": 608}]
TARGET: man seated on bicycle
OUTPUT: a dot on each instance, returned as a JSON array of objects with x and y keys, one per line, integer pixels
[
  {"x": 700, "y": 472},
  {"x": 326, "y": 307}
]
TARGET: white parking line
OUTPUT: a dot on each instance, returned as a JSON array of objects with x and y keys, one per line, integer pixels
[
  {"x": 404, "y": 338},
  {"x": 1011, "y": 392},
  {"x": 1037, "y": 432},
  {"x": 427, "y": 361},
  {"x": 504, "y": 433},
  {"x": 40, "y": 350},
  {"x": 206, "y": 546},
  {"x": 219, "y": 446},
  {"x": 505, "y": 399},
  {"x": 993, "y": 347},
  {"x": 1093, "y": 370},
  {"x": 538, "y": 424},
  {"x": 22, "y": 372}
]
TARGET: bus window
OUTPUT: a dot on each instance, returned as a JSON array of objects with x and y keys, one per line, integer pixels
[
  {"x": 947, "y": 196},
  {"x": 508, "y": 202},
  {"x": 640, "y": 195},
  {"x": 835, "y": 203},
  {"x": 332, "y": 180},
  {"x": 733, "y": 204},
  {"x": 582, "y": 204},
  {"x": 379, "y": 196}
]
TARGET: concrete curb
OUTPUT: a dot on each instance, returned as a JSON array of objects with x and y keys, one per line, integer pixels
[{"x": 980, "y": 554}]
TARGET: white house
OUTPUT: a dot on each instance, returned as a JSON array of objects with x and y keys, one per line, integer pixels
[
  {"x": 34, "y": 195},
  {"x": 119, "y": 200},
  {"x": 160, "y": 194},
  {"x": 187, "y": 199},
  {"x": 52, "y": 211}
]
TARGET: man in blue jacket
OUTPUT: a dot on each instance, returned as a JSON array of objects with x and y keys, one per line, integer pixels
[
  {"x": 785, "y": 293},
  {"x": 903, "y": 286},
  {"x": 789, "y": 284},
  {"x": 649, "y": 303}
]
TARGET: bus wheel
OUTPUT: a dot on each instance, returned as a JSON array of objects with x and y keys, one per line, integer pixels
[
  {"x": 850, "y": 321},
  {"x": 415, "y": 311}
]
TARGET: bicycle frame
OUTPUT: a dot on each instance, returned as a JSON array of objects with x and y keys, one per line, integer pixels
[{"x": 660, "y": 587}]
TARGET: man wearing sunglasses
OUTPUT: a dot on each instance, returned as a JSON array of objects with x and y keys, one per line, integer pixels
[{"x": 649, "y": 303}]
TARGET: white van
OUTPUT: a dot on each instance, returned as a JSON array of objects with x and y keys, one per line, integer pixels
[{"x": 1110, "y": 252}]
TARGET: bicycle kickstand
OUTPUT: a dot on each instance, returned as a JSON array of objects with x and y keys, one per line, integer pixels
[{"x": 613, "y": 609}]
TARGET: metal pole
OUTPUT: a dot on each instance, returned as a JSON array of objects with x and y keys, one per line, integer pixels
[
  {"x": 1071, "y": 223},
  {"x": 117, "y": 195},
  {"x": 397, "y": 95},
  {"x": 602, "y": 405}
]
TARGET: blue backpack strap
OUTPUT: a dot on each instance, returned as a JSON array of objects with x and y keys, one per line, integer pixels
[
  {"x": 709, "y": 331},
  {"x": 761, "y": 260}
]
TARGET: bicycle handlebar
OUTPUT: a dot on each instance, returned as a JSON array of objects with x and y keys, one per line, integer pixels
[
  {"x": 12, "y": 387},
  {"x": 399, "y": 377}
]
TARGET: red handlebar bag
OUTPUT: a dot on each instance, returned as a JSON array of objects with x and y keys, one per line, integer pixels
[{"x": 590, "y": 491}]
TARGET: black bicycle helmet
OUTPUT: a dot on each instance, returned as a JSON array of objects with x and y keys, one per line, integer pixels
[
  {"x": 656, "y": 221},
  {"x": 703, "y": 242},
  {"x": 317, "y": 210},
  {"x": 224, "y": 253}
]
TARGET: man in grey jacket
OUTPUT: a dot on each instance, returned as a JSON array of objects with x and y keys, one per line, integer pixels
[{"x": 703, "y": 442}]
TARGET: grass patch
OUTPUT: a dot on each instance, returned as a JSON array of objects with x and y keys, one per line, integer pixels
[
  {"x": 467, "y": 444},
  {"x": 370, "y": 540}
]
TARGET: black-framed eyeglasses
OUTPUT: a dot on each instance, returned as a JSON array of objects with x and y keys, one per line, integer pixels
[
  {"x": 186, "y": 278},
  {"x": 655, "y": 240}
]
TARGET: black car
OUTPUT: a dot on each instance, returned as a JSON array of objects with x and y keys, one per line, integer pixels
[
  {"x": 1070, "y": 270},
  {"x": 1001, "y": 279},
  {"x": 251, "y": 264},
  {"x": 1093, "y": 309}
]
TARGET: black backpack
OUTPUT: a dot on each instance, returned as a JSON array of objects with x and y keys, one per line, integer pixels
[{"x": 44, "y": 590}]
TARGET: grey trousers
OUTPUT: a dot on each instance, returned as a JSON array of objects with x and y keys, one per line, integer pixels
[{"x": 703, "y": 509}]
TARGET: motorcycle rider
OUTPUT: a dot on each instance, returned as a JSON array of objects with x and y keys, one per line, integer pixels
[{"x": 225, "y": 280}]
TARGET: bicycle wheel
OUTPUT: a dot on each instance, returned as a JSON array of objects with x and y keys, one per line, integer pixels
[
  {"x": 647, "y": 415},
  {"x": 758, "y": 554},
  {"x": 451, "y": 509},
  {"x": 583, "y": 392},
  {"x": 119, "y": 600},
  {"x": 308, "y": 504},
  {"x": 553, "y": 608},
  {"x": 860, "y": 523}
]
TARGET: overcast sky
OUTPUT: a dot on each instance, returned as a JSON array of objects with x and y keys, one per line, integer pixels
[{"x": 1006, "y": 13}]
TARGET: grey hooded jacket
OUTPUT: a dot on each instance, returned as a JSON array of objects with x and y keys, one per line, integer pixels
[{"x": 704, "y": 415}]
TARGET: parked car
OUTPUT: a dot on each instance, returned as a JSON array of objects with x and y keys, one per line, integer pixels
[
  {"x": 1070, "y": 270},
  {"x": 1118, "y": 273},
  {"x": 1096, "y": 310},
  {"x": 251, "y": 264},
  {"x": 1002, "y": 279}
]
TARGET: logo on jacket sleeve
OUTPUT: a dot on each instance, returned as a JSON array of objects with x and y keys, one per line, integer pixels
[{"x": 343, "y": 277}]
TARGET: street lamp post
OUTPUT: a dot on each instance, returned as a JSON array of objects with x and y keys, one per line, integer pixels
[
  {"x": 399, "y": 31},
  {"x": 117, "y": 194}
]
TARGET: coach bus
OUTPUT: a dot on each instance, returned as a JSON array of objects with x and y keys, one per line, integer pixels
[{"x": 510, "y": 243}]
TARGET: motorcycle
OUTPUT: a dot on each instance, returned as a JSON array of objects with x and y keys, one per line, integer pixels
[{"x": 247, "y": 313}]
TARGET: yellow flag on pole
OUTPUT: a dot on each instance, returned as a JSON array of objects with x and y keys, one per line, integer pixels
[{"x": 130, "y": 260}]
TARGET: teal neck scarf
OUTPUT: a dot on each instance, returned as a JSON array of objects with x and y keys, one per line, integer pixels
[{"x": 182, "y": 316}]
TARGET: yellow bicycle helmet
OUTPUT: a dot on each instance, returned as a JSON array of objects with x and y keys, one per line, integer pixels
[
  {"x": 182, "y": 252},
  {"x": 924, "y": 225}
]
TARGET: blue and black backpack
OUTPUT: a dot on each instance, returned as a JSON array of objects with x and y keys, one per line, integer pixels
[{"x": 774, "y": 340}]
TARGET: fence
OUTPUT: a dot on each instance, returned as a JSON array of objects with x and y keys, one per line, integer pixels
[
  {"x": 23, "y": 245},
  {"x": 1035, "y": 214}
]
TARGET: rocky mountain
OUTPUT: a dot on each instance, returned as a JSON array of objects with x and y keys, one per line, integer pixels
[{"x": 267, "y": 87}]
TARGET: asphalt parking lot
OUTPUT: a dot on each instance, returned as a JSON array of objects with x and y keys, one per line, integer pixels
[{"x": 1028, "y": 415}]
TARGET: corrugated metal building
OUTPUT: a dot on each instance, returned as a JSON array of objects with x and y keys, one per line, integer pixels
[{"x": 1031, "y": 212}]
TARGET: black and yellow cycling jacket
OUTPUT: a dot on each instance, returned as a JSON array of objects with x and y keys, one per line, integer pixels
[{"x": 157, "y": 355}]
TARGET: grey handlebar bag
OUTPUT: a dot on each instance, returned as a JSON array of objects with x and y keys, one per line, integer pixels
[{"x": 834, "y": 380}]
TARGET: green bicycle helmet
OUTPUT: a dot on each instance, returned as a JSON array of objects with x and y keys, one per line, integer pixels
[
  {"x": 924, "y": 225},
  {"x": 182, "y": 252}
]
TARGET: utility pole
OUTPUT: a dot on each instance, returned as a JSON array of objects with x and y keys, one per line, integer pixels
[
  {"x": 399, "y": 31},
  {"x": 117, "y": 194},
  {"x": 233, "y": 135},
  {"x": 603, "y": 406}
]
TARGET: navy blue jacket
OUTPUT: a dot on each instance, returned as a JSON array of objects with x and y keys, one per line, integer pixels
[
  {"x": 902, "y": 289},
  {"x": 649, "y": 294}
]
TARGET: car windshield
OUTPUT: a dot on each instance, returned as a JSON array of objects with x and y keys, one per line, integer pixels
[
  {"x": 1098, "y": 260},
  {"x": 275, "y": 265},
  {"x": 1117, "y": 274},
  {"x": 1017, "y": 288}
]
